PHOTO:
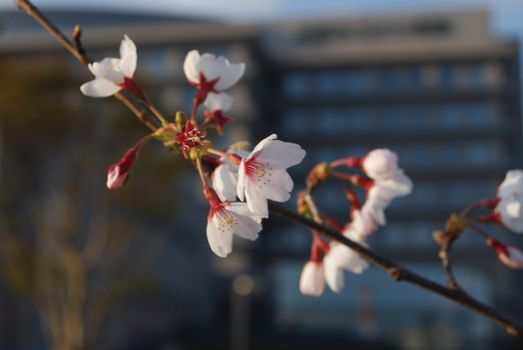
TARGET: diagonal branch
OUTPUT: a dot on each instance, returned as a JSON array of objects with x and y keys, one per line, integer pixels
[
  {"x": 76, "y": 49},
  {"x": 400, "y": 273}
]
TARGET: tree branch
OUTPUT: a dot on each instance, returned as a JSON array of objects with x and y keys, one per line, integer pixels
[
  {"x": 400, "y": 273},
  {"x": 76, "y": 49}
]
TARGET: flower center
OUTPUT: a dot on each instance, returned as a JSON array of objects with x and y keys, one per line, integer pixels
[
  {"x": 261, "y": 173},
  {"x": 224, "y": 220}
]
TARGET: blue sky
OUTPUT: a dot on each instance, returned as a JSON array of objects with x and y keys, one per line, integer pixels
[{"x": 507, "y": 15}]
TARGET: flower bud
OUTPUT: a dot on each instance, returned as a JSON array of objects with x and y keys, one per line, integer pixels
[
  {"x": 118, "y": 174},
  {"x": 380, "y": 164},
  {"x": 508, "y": 255},
  {"x": 312, "y": 281}
]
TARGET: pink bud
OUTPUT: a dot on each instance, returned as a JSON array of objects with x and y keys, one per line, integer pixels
[
  {"x": 118, "y": 173},
  {"x": 508, "y": 255},
  {"x": 116, "y": 177}
]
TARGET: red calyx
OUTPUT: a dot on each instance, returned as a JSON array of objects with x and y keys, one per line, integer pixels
[
  {"x": 217, "y": 118},
  {"x": 132, "y": 87},
  {"x": 204, "y": 87},
  {"x": 498, "y": 247}
]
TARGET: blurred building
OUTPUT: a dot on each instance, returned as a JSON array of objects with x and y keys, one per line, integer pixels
[{"x": 440, "y": 89}]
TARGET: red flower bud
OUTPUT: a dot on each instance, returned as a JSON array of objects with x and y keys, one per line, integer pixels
[{"x": 118, "y": 174}]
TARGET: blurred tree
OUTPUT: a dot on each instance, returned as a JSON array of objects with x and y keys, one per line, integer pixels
[{"x": 62, "y": 244}]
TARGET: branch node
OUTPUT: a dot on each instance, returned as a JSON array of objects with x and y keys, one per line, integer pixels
[{"x": 395, "y": 273}]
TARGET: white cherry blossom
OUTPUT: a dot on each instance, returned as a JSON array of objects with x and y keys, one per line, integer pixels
[
  {"x": 312, "y": 280},
  {"x": 112, "y": 74},
  {"x": 202, "y": 70},
  {"x": 226, "y": 219},
  {"x": 262, "y": 175}
]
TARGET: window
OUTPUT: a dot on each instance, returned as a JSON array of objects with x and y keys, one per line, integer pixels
[{"x": 296, "y": 85}]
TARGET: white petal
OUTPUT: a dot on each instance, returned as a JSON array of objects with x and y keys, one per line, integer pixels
[
  {"x": 220, "y": 240},
  {"x": 222, "y": 101},
  {"x": 99, "y": 88},
  {"x": 96, "y": 69},
  {"x": 230, "y": 76},
  {"x": 399, "y": 185},
  {"x": 511, "y": 210},
  {"x": 312, "y": 281},
  {"x": 110, "y": 70},
  {"x": 128, "y": 57},
  {"x": 362, "y": 223},
  {"x": 190, "y": 66},
  {"x": 333, "y": 275},
  {"x": 247, "y": 224},
  {"x": 224, "y": 182},
  {"x": 279, "y": 187},
  {"x": 512, "y": 184},
  {"x": 127, "y": 47},
  {"x": 242, "y": 209},
  {"x": 261, "y": 145},
  {"x": 240, "y": 187},
  {"x": 211, "y": 66},
  {"x": 256, "y": 200},
  {"x": 280, "y": 154}
]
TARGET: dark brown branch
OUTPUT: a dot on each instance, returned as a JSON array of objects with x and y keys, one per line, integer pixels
[
  {"x": 399, "y": 273},
  {"x": 79, "y": 53}
]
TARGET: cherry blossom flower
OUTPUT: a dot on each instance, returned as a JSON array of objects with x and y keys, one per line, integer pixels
[
  {"x": 113, "y": 74},
  {"x": 226, "y": 219},
  {"x": 510, "y": 212},
  {"x": 512, "y": 184},
  {"x": 118, "y": 174},
  {"x": 210, "y": 73},
  {"x": 312, "y": 280},
  {"x": 262, "y": 175},
  {"x": 216, "y": 105},
  {"x": 508, "y": 255}
]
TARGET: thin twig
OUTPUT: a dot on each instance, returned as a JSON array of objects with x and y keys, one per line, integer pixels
[
  {"x": 76, "y": 50},
  {"x": 399, "y": 273}
]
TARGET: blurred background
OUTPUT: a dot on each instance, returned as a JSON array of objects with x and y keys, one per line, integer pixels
[{"x": 436, "y": 81}]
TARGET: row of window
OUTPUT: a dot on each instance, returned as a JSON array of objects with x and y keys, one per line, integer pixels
[
  {"x": 393, "y": 79},
  {"x": 413, "y": 117},
  {"x": 453, "y": 194},
  {"x": 420, "y": 156}
]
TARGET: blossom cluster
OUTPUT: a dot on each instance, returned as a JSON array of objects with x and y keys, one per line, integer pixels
[
  {"x": 242, "y": 181},
  {"x": 382, "y": 181}
]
